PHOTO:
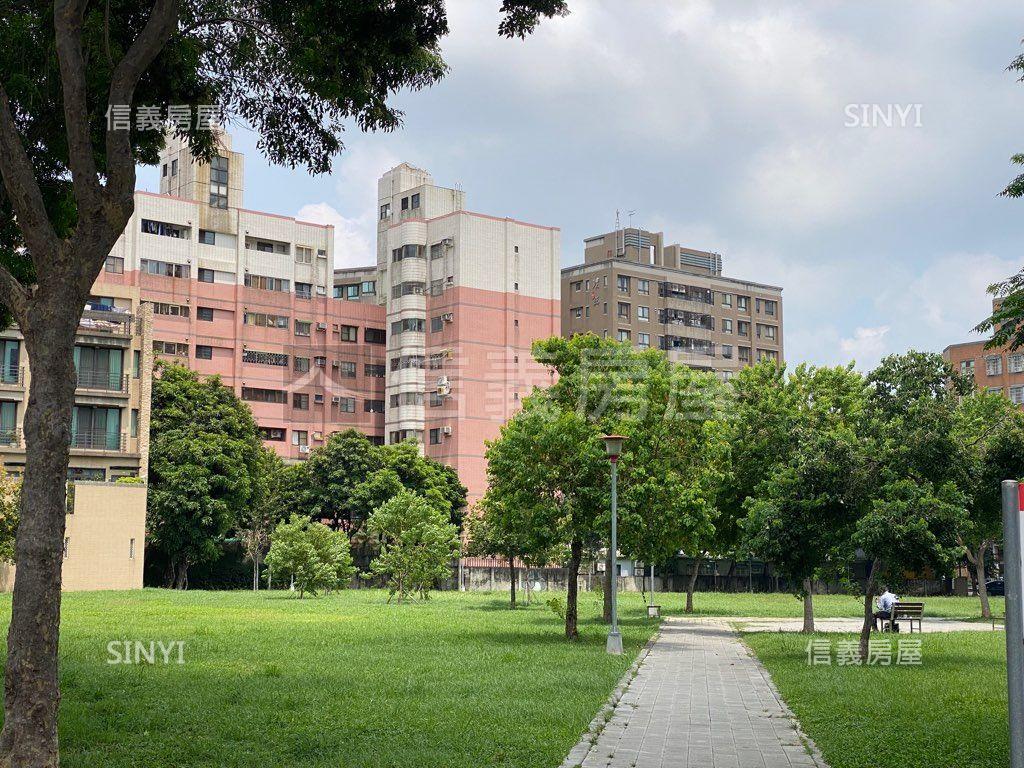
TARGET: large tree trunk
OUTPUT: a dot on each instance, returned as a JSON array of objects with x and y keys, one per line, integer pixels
[
  {"x": 512, "y": 578},
  {"x": 808, "y": 606},
  {"x": 979, "y": 569},
  {"x": 692, "y": 585},
  {"x": 609, "y": 574},
  {"x": 31, "y": 689},
  {"x": 181, "y": 579},
  {"x": 869, "y": 609},
  {"x": 571, "y": 600}
]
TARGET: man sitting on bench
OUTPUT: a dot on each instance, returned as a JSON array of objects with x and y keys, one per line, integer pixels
[{"x": 885, "y": 603}]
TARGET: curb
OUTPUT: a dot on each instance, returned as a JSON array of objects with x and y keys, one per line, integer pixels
[{"x": 579, "y": 753}]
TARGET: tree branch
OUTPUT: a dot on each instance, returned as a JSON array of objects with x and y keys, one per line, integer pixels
[
  {"x": 20, "y": 182},
  {"x": 68, "y": 17},
  {"x": 14, "y": 296},
  {"x": 163, "y": 20}
]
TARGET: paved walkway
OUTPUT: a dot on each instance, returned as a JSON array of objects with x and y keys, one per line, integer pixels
[{"x": 699, "y": 700}]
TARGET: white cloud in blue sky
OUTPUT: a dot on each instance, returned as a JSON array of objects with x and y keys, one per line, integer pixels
[{"x": 723, "y": 124}]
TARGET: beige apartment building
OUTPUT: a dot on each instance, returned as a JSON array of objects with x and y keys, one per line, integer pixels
[{"x": 632, "y": 287}]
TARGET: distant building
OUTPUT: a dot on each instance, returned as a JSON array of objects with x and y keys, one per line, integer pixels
[
  {"x": 633, "y": 288},
  {"x": 996, "y": 370}
]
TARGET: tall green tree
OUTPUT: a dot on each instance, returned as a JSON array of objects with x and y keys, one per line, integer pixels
[
  {"x": 916, "y": 508},
  {"x": 803, "y": 513},
  {"x": 990, "y": 430},
  {"x": 295, "y": 71},
  {"x": 205, "y": 468},
  {"x": 418, "y": 544},
  {"x": 310, "y": 555}
]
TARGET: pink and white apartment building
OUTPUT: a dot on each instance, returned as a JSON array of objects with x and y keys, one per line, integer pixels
[{"x": 431, "y": 343}]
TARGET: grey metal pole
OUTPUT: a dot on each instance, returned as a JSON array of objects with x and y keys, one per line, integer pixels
[
  {"x": 614, "y": 645},
  {"x": 1014, "y": 618}
]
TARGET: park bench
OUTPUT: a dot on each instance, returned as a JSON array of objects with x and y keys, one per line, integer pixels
[{"x": 910, "y": 611}]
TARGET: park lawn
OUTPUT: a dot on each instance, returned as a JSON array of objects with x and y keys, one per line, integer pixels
[
  {"x": 776, "y": 605},
  {"x": 340, "y": 680},
  {"x": 949, "y": 712}
]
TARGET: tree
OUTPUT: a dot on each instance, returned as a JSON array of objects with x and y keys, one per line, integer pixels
[
  {"x": 205, "y": 468},
  {"x": 549, "y": 464},
  {"x": 1006, "y": 323},
  {"x": 916, "y": 508},
  {"x": 311, "y": 554},
  {"x": 295, "y": 71},
  {"x": 990, "y": 430},
  {"x": 257, "y": 521},
  {"x": 417, "y": 545},
  {"x": 802, "y": 514}
]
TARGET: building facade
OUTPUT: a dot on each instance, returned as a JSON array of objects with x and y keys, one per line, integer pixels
[
  {"x": 997, "y": 370},
  {"x": 633, "y": 288},
  {"x": 465, "y": 296}
]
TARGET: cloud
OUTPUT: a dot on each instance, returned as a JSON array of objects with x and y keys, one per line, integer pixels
[
  {"x": 353, "y": 247},
  {"x": 866, "y": 346}
]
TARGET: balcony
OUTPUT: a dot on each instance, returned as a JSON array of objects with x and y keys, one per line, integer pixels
[
  {"x": 104, "y": 381},
  {"x": 105, "y": 320},
  {"x": 99, "y": 440},
  {"x": 10, "y": 438},
  {"x": 12, "y": 375}
]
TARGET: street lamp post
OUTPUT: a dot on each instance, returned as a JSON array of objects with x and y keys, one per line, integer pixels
[{"x": 613, "y": 448}]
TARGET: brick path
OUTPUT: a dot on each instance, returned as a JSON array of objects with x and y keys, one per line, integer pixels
[{"x": 699, "y": 700}]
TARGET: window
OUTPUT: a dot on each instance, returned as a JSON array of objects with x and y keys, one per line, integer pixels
[
  {"x": 1017, "y": 395},
  {"x": 435, "y": 436},
  {"x": 1015, "y": 363},
  {"x": 995, "y": 390},
  {"x": 374, "y": 335},
  {"x": 300, "y": 401},
  {"x": 304, "y": 290},
  {"x": 303, "y": 327},
  {"x": 164, "y": 229},
  {"x": 605, "y": 309},
  {"x": 174, "y": 167},
  {"x": 347, "y": 405},
  {"x": 744, "y": 354},
  {"x": 205, "y": 275},
  {"x": 385, "y": 211},
  {"x": 406, "y": 289},
  {"x": 368, "y": 286},
  {"x": 765, "y": 331},
  {"x": 624, "y": 311},
  {"x": 643, "y": 313},
  {"x": 303, "y": 255},
  {"x": 743, "y": 328},
  {"x": 757, "y": 305},
  {"x": 170, "y": 348},
  {"x": 257, "y": 395},
  {"x": 219, "y": 182},
  {"x": 263, "y": 320},
  {"x": 406, "y": 361},
  {"x": 437, "y": 361},
  {"x": 577, "y": 312},
  {"x": 436, "y": 400},
  {"x": 408, "y": 252},
  {"x": 643, "y": 287},
  {"x": 373, "y": 406},
  {"x": 114, "y": 264},
  {"x": 349, "y": 333},
  {"x": 274, "y": 434},
  {"x": 300, "y": 437},
  {"x": 406, "y": 398},
  {"x": 743, "y": 303},
  {"x": 318, "y": 398},
  {"x": 767, "y": 354},
  {"x": 265, "y": 358},
  {"x": 134, "y": 423},
  {"x": 405, "y": 203},
  {"x": 131, "y": 549},
  {"x": 411, "y": 324},
  {"x": 204, "y": 352},
  {"x": 415, "y": 201},
  {"x": 994, "y": 365},
  {"x": 301, "y": 364},
  {"x": 727, "y": 351},
  {"x": 205, "y": 314},
  {"x": 623, "y": 283},
  {"x": 165, "y": 169},
  {"x": 771, "y": 307},
  {"x": 264, "y": 283},
  {"x": 319, "y": 361},
  {"x": 164, "y": 268},
  {"x": 352, "y": 292},
  {"x": 643, "y": 340},
  {"x": 436, "y": 324},
  {"x": 624, "y": 335},
  {"x": 436, "y": 251},
  {"x": 136, "y": 363},
  {"x": 374, "y": 371},
  {"x": 347, "y": 369},
  {"x": 172, "y": 310},
  {"x": 726, "y": 299},
  {"x": 726, "y": 325}
]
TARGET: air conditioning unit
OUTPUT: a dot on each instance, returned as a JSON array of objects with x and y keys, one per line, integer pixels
[
  {"x": 303, "y": 449},
  {"x": 448, "y": 317},
  {"x": 318, "y": 398},
  {"x": 335, "y": 364},
  {"x": 448, "y": 242},
  {"x": 444, "y": 388},
  {"x": 318, "y": 435},
  {"x": 336, "y": 400},
  {"x": 321, "y": 361},
  {"x": 321, "y": 326},
  {"x": 446, "y": 430}
]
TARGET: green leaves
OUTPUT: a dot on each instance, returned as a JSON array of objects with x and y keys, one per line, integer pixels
[{"x": 310, "y": 553}]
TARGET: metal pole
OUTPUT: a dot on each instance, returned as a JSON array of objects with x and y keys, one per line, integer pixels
[
  {"x": 614, "y": 645},
  {"x": 1014, "y": 618}
]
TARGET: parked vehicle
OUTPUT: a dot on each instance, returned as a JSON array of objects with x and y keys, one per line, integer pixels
[{"x": 995, "y": 587}]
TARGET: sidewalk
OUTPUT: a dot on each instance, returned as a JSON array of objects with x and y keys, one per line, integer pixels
[{"x": 699, "y": 700}]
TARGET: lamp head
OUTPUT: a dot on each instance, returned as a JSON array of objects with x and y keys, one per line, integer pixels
[{"x": 613, "y": 446}]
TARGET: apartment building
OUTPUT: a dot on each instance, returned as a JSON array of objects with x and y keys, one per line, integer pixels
[
  {"x": 634, "y": 288},
  {"x": 253, "y": 297},
  {"x": 465, "y": 296},
  {"x": 110, "y": 420},
  {"x": 997, "y": 370}
]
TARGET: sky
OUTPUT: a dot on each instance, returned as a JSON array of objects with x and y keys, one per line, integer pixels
[{"x": 732, "y": 127}]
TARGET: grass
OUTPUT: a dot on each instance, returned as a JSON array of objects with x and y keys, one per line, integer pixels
[
  {"x": 950, "y": 712},
  {"x": 344, "y": 680},
  {"x": 825, "y": 606}
]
